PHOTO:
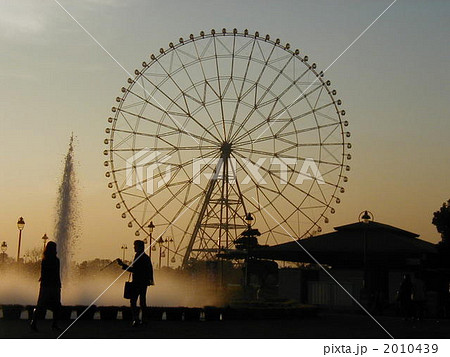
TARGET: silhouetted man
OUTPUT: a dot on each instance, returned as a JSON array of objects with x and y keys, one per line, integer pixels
[
  {"x": 142, "y": 276},
  {"x": 404, "y": 296}
]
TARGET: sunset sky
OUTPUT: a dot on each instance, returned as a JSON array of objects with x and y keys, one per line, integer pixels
[{"x": 54, "y": 80}]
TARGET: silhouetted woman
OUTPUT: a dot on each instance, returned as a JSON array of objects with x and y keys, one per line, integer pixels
[{"x": 50, "y": 288}]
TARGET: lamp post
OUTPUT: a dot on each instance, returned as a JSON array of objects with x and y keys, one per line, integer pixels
[
  {"x": 20, "y": 226},
  {"x": 150, "y": 227},
  {"x": 124, "y": 248},
  {"x": 168, "y": 241},
  {"x": 4, "y": 247},
  {"x": 365, "y": 217},
  {"x": 45, "y": 239},
  {"x": 246, "y": 242},
  {"x": 160, "y": 241},
  {"x": 249, "y": 219}
]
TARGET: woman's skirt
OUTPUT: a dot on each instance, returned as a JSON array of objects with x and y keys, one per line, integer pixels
[{"x": 49, "y": 297}]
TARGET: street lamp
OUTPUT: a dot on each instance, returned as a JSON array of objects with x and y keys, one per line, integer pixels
[
  {"x": 249, "y": 219},
  {"x": 20, "y": 226},
  {"x": 365, "y": 217},
  {"x": 45, "y": 239},
  {"x": 124, "y": 248},
  {"x": 161, "y": 242},
  {"x": 4, "y": 247},
  {"x": 150, "y": 227},
  {"x": 246, "y": 242},
  {"x": 168, "y": 241}
]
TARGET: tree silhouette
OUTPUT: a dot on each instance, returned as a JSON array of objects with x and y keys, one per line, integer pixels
[
  {"x": 34, "y": 255},
  {"x": 441, "y": 219}
]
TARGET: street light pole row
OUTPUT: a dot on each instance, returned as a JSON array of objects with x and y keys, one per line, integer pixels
[
  {"x": 4, "y": 247},
  {"x": 160, "y": 241},
  {"x": 20, "y": 227}
]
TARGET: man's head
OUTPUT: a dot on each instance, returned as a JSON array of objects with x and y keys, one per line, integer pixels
[{"x": 139, "y": 246}]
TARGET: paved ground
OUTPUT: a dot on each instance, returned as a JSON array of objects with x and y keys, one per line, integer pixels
[{"x": 324, "y": 326}]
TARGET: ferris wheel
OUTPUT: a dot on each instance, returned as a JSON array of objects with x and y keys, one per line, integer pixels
[{"x": 219, "y": 126}]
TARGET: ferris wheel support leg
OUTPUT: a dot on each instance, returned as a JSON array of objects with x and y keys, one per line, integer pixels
[{"x": 211, "y": 184}]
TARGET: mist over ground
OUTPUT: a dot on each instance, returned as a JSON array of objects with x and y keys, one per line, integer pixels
[{"x": 172, "y": 287}]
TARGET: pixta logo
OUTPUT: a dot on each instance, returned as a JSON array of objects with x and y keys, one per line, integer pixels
[{"x": 141, "y": 168}]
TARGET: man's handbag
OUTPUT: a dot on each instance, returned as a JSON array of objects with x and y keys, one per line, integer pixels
[{"x": 128, "y": 289}]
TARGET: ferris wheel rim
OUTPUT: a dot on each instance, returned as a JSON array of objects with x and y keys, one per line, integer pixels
[{"x": 174, "y": 47}]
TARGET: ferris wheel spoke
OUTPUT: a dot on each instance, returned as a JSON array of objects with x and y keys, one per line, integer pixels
[
  {"x": 187, "y": 111},
  {"x": 335, "y": 165},
  {"x": 301, "y": 97},
  {"x": 188, "y": 75},
  {"x": 161, "y": 209},
  {"x": 137, "y": 104},
  {"x": 330, "y": 133},
  {"x": 213, "y": 154},
  {"x": 219, "y": 86},
  {"x": 265, "y": 122},
  {"x": 305, "y": 130},
  {"x": 330, "y": 153},
  {"x": 125, "y": 118},
  {"x": 233, "y": 57},
  {"x": 192, "y": 116},
  {"x": 280, "y": 96},
  {"x": 295, "y": 83},
  {"x": 253, "y": 42},
  {"x": 200, "y": 100},
  {"x": 167, "y": 96},
  {"x": 158, "y": 106},
  {"x": 318, "y": 97},
  {"x": 293, "y": 122},
  {"x": 239, "y": 144},
  {"x": 161, "y": 175},
  {"x": 266, "y": 91},
  {"x": 278, "y": 212},
  {"x": 272, "y": 237},
  {"x": 181, "y": 148},
  {"x": 175, "y": 129},
  {"x": 239, "y": 96},
  {"x": 331, "y": 144},
  {"x": 205, "y": 87},
  {"x": 288, "y": 183},
  {"x": 315, "y": 183},
  {"x": 277, "y": 77},
  {"x": 114, "y": 143}
]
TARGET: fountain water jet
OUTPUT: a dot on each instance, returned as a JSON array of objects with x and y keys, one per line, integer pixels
[{"x": 66, "y": 212}]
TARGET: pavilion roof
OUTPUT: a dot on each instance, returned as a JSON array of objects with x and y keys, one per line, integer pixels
[{"x": 347, "y": 243}]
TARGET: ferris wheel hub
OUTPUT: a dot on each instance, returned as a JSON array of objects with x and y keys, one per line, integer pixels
[{"x": 225, "y": 149}]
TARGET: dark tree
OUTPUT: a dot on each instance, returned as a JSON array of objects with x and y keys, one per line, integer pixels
[{"x": 441, "y": 219}]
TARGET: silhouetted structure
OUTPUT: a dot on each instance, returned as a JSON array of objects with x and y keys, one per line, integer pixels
[
  {"x": 368, "y": 259},
  {"x": 142, "y": 276},
  {"x": 50, "y": 287}
]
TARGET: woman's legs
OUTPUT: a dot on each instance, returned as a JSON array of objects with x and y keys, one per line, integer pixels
[
  {"x": 37, "y": 311},
  {"x": 56, "y": 310}
]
